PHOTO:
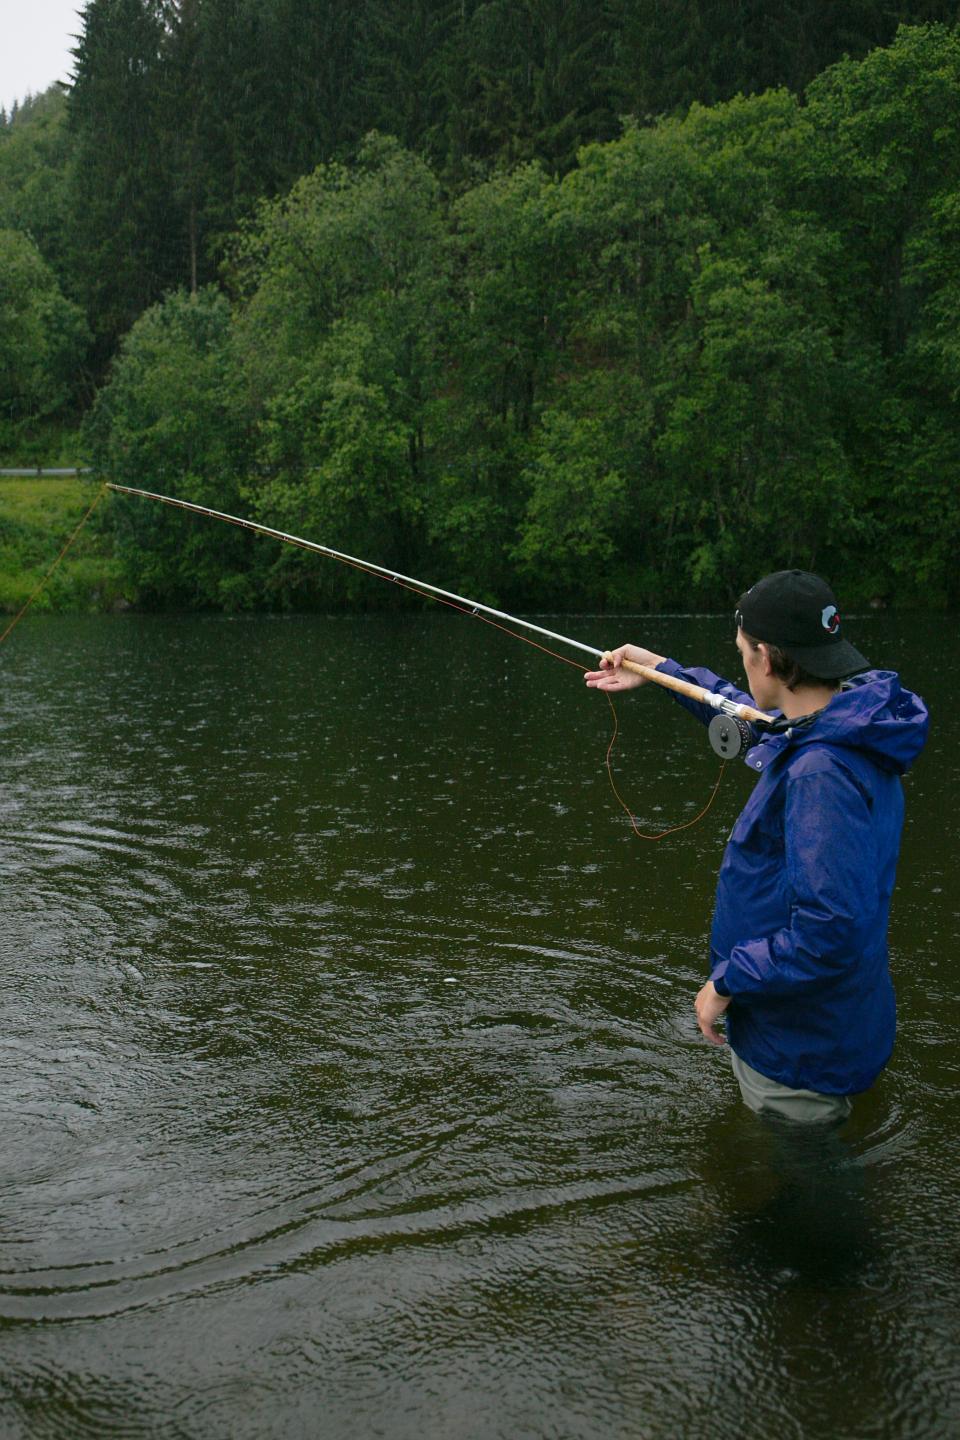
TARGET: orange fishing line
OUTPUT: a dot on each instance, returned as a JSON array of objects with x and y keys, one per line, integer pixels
[
  {"x": 633, "y": 819},
  {"x": 463, "y": 610},
  {"x": 23, "y": 610},
  {"x": 641, "y": 835},
  {"x": 379, "y": 573}
]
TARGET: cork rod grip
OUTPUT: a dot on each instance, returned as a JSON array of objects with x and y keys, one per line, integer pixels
[{"x": 684, "y": 687}]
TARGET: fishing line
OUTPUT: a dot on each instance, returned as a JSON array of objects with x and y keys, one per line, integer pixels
[
  {"x": 20, "y": 613},
  {"x": 672, "y": 830},
  {"x": 476, "y": 610},
  {"x": 608, "y": 759}
]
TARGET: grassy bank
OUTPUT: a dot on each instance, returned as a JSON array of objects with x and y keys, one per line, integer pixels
[{"x": 37, "y": 517}]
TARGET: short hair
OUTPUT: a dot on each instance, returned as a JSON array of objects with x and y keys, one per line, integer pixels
[{"x": 788, "y": 671}]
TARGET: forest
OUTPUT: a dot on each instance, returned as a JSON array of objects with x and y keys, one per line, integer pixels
[{"x": 559, "y": 304}]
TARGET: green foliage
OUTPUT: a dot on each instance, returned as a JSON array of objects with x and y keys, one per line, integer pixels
[
  {"x": 577, "y": 500},
  {"x": 37, "y": 517},
  {"x": 185, "y": 114},
  {"x": 338, "y": 340},
  {"x": 886, "y": 146},
  {"x": 504, "y": 342},
  {"x": 170, "y": 418},
  {"x": 34, "y": 165},
  {"x": 884, "y": 171},
  {"x": 528, "y": 81},
  {"x": 635, "y": 374},
  {"x": 120, "y": 196},
  {"x": 668, "y": 53},
  {"x": 511, "y": 323},
  {"x": 42, "y": 337},
  {"x": 342, "y": 466},
  {"x": 748, "y": 441},
  {"x": 171, "y": 404}
]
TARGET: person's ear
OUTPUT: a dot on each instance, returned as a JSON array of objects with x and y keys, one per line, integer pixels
[{"x": 764, "y": 652}]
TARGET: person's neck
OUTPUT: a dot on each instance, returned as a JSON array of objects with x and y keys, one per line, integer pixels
[{"x": 796, "y": 704}]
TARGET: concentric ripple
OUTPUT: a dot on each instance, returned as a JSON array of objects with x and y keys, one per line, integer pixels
[{"x": 349, "y": 1083}]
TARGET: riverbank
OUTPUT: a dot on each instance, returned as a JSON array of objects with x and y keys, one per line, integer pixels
[{"x": 38, "y": 514}]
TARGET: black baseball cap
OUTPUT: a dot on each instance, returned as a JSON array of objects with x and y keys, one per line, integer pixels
[{"x": 797, "y": 612}]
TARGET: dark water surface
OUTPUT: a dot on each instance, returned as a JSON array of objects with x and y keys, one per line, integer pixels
[{"x": 349, "y": 1080}]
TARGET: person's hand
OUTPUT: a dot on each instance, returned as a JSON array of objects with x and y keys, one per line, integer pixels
[
  {"x": 611, "y": 676},
  {"x": 709, "y": 1007}
]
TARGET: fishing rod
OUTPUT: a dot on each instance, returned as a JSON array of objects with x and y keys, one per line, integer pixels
[{"x": 729, "y": 729}]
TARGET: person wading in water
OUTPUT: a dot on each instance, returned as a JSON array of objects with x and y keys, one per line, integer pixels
[{"x": 798, "y": 950}]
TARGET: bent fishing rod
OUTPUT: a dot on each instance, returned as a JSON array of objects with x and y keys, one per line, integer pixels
[{"x": 728, "y": 739}]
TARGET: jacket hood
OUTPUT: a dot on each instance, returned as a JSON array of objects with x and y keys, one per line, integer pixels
[{"x": 874, "y": 714}]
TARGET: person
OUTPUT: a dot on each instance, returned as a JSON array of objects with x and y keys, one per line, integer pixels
[{"x": 798, "y": 950}]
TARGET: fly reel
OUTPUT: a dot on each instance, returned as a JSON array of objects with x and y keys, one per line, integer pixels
[{"x": 729, "y": 737}]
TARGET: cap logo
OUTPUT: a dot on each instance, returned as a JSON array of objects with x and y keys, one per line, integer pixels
[{"x": 830, "y": 619}]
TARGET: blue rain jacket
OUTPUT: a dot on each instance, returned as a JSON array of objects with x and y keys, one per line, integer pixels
[{"x": 799, "y": 937}]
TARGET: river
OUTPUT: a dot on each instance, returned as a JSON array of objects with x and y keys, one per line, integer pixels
[{"x": 349, "y": 1079}]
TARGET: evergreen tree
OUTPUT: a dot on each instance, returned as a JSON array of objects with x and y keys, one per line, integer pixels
[
  {"x": 670, "y": 53},
  {"x": 127, "y": 239},
  {"x": 316, "y": 66},
  {"x": 534, "y": 74},
  {"x": 405, "y": 50},
  {"x": 181, "y": 118}
]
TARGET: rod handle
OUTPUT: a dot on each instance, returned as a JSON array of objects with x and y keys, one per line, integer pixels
[
  {"x": 685, "y": 687},
  {"x": 648, "y": 673}
]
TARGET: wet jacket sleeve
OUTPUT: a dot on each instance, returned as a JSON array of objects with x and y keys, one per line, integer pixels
[
  {"x": 698, "y": 675},
  {"x": 831, "y": 875}
]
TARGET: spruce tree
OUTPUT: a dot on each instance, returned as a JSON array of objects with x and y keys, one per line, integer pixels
[{"x": 126, "y": 239}]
